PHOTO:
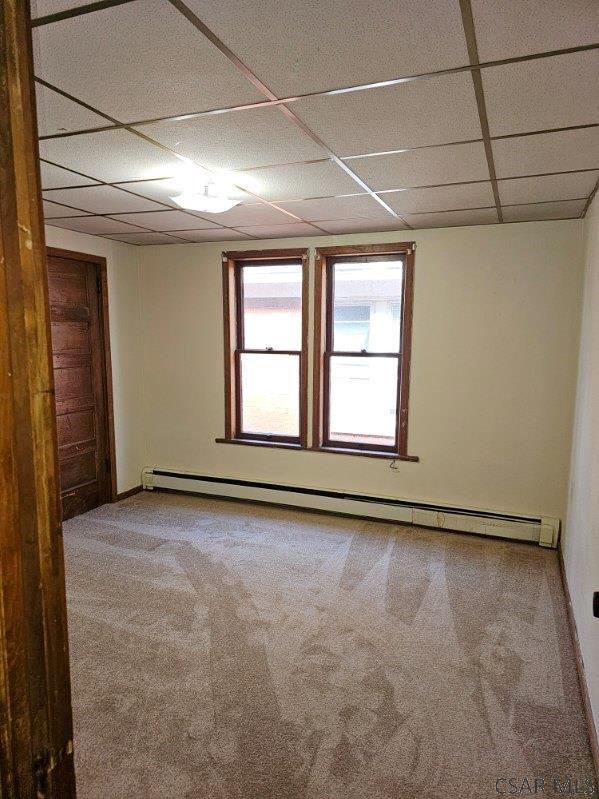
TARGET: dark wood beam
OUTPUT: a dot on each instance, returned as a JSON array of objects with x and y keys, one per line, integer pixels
[{"x": 36, "y": 745}]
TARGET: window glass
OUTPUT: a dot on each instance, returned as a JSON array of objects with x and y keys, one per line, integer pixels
[
  {"x": 367, "y": 306},
  {"x": 272, "y": 307},
  {"x": 270, "y": 394},
  {"x": 363, "y": 400}
]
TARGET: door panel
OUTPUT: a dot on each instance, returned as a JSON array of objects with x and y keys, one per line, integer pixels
[{"x": 80, "y": 383}]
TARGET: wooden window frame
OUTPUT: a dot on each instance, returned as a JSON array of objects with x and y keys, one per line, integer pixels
[
  {"x": 323, "y": 351},
  {"x": 233, "y": 321}
]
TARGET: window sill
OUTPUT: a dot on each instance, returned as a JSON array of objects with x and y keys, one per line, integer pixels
[
  {"x": 256, "y": 443},
  {"x": 366, "y": 453}
]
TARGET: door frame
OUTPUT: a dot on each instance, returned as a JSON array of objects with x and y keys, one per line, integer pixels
[{"x": 101, "y": 269}]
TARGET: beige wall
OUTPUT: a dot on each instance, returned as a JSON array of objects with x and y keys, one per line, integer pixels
[
  {"x": 125, "y": 339},
  {"x": 581, "y": 540},
  {"x": 496, "y": 325}
]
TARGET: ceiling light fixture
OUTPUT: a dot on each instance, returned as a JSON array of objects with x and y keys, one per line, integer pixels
[{"x": 207, "y": 200}]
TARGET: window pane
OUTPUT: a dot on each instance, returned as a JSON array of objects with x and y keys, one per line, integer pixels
[
  {"x": 367, "y": 303},
  {"x": 363, "y": 400},
  {"x": 272, "y": 307},
  {"x": 270, "y": 394}
]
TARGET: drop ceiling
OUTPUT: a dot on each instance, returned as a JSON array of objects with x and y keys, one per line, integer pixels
[{"x": 333, "y": 117}]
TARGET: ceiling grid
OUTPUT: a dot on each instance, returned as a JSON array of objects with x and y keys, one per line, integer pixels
[{"x": 419, "y": 150}]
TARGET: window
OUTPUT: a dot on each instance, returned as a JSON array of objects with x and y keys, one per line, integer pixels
[
  {"x": 362, "y": 348},
  {"x": 266, "y": 358},
  {"x": 362, "y": 333}
]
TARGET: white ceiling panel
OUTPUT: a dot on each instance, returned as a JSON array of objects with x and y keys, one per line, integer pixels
[
  {"x": 166, "y": 220},
  {"x": 554, "y": 210},
  {"x": 571, "y": 186},
  {"x": 361, "y": 225},
  {"x": 55, "y": 177},
  {"x": 238, "y": 140},
  {"x": 138, "y": 61},
  {"x": 53, "y": 210},
  {"x": 542, "y": 94},
  {"x": 281, "y": 231},
  {"x": 510, "y": 28},
  {"x": 311, "y": 46},
  {"x": 250, "y": 214},
  {"x": 547, "y": 152},
  {"x": 359, "y": 205},
  {"x": 296, "y": 182},
  {"x": 482, "y": 216},
  {"x": 110, "y": 155},
  {"x": 430, "y": 166},
  {"x": 427, "y": 111},
  {"x": 56, "y": 114},
  {"x": 94, "y": 225},
  {"x": 219, "y": 234},
  {"x": 101, "y": 200},
  {"x": 146, "y": 237},
  {"x": 442, "y": 198}
]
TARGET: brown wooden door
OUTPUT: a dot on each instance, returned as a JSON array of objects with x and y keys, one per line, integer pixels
[{"x": 80, "y": 383}]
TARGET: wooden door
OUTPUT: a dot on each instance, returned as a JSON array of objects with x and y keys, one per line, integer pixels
[{"x": 80, "y": 383}]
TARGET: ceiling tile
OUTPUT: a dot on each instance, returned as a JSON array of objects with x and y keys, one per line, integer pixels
[
  {"x": 361, "y": 225},
  {"x": 52, "y": 210},
  {"x": 250, "y": 214},
  {"x": 138, "y": 61},
  {"x": 56, "y": 114},
  {"x": 483, "y": 216},
  {"x": 163, "y": 190},
  {"x": 544, "y": 93},
  {"x": 442, "y": 198},
  {"x": 145, "y": 237},
  {"x": 430, "y": 166},
  {"x": 219, "y": 234},
  {"x": 530, "y": 213},
  {"x": 296, "y": 182},
  {"x": 55, "y": 177},
  {"x": 336, "y": 43},
  {"x": 238, "y": 140},
  {"x": 281, "y": 231},
  {"x": 166, "y": 220},
  {"x": 355, "y": 206},
  {"x": 426, "y": 111},
  {"x": 510, "y": 28},
  {"x": 93, "y": 225},
  {"x": 547, "y": 187},
  {"x": 101, "y": 200},
  {"x": 547, "y": 152},
  {"x": 110, "y": 155}
]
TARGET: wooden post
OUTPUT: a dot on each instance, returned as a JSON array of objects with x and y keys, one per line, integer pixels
[{"x": 36, "y": 747}]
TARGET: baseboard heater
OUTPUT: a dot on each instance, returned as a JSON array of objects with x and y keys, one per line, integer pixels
[{"x": 539, "y": 530}]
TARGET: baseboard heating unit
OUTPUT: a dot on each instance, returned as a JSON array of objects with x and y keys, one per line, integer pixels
[{"x": 540, "y": 530}]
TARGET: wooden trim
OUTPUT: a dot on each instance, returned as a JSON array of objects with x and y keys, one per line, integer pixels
[
  {"x": 234, "y": 345},
  {"x": 130, "y": 493},
  {"x": 582, "y": 678},
  {"x": 368, "y": 453},
  {"x": 319, "y": 343},
  {"x": 110, "y": 442},
  {"x": 303, "y": 409},
  {"x": 264, "y": 255},
  {"x": 36, "y": 737},
  {"x": 252, "y": 442},
  {"x": 367, "y": 249},
  {"x": 323, "y": 347}
]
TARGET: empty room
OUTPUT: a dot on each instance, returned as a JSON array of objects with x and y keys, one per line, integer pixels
[{"x": 299, "y": 399}]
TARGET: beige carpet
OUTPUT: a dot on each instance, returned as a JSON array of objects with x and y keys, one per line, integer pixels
[{"x": 229, "y": 651}]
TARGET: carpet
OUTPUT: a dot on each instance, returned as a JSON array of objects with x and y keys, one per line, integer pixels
[{"x": 222, "y": 650}]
